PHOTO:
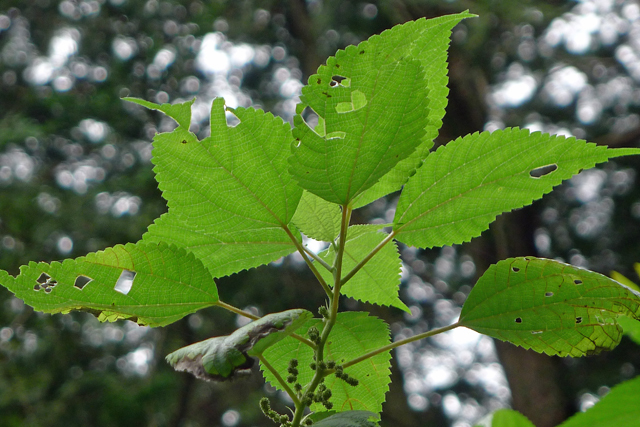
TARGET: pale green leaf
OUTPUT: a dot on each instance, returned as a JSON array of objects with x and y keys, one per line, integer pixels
[
  {"x": 549, "y": 306},
  {"x": 233, "y": 186},
  {"x": 353, "y": 335},
  {"x": 349, "y": 419},
  {"x": 505, "y": 418},
  {"x": 180, "y": 112},
  {"x": 151, "y": 284},
  {"x": 317, "y": 218},
  {"x": 373, "y": 106},
  {"x": 222, "y": 358},
  {"x": 427, "y": 41},
  {"x": 379, "y": 280},
  {"x": 619, "y": 408},
  {"x": 464, "y": 185}
]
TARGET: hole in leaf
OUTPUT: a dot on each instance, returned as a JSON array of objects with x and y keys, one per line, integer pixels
[
  {"x": 578, "y": 282},
  {"x": 36, "y": 287},
  {"x": 44, "y": 278},
  {"x": 51, "y": 284},
  {"x": 125, "y": 282},
  {"x": 340, "y": 81},
  {"x": 48, "y": 290},
  {"x": 578, "y": 320},
  {"x": 543, "y": 170},
  {"x": 81, "y": 281},
  {"x": 515, "y": 269},
  {"x": 518, "y": 319},
  {"x": 548, "y": 294}
]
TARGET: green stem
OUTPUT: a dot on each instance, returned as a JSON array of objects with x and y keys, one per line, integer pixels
[
  {"x": 252, "y": 316},
  {"x": 399, "y": 343},
  {"x": 303, "y": 253},
  {"x": 333, "y": 312},
  {"x": 366, "y": 259},
  {"x": 282, "y": 382},
  {"x": 318, "y": 259}
]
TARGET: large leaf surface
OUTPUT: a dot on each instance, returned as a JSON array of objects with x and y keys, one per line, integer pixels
[
  {"x": 619, "y": 408},
  {"x": 354, "y": 334},
  {"x": 549, "y": 306},
  {"x": 156, "y": 284},
  {"x": 425, "y": 40},
  {"x": 464, "y": 185},
  {"x": 372, "y": 106},
  {"x": 379, "y": 280},
  {"x": 222, "y": 358},
  {"x": 234, "y": 186}
]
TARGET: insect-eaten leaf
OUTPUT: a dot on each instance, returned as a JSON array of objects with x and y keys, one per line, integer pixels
[
  {"x": 349, "y": 419},
  {"x": 223, "y": 358},
  {"x": 549, "y": 306},
  {"x": 153, "y": 284}
]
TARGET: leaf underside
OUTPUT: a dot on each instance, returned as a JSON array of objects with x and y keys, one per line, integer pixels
[
  {"x": 372, "y": 106},
  {"x": 425, "y": 40},
  {"x": 158, "y": 284},
  {"x": 222, "y": 358},
  {"x": 230, "y": 195},
  {"x": 379, "y": 280},
  {"x": 317, "y": 218},
  {"x": 549, "y": 306},
  {"x": 354, "y": 334},
  {"x": 464, "y": 185}
]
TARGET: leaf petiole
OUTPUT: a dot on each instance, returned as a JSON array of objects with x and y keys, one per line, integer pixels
[{"x": 399, "y": 343}]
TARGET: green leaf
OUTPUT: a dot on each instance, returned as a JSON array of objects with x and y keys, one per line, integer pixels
[
  {"x": 372, "y": 106},
  {"x": 181, "y": 112},
  {"x": 151, "y": 284},
  {"x": 549, "y": 306},
  {"x": 234, "y": 186},
  {"x": 619, "y": 408},
  {"x": 354, "y": 334},
  {"x": 379, "y": 280},
  {"x": 505, "y": 418},
  {"x": 317, "y": 218},
  {"x": 222, "y": 358},
  {"x": 349, "y": 419},
  {"x": 464, "y": 185},
  {"x": 631, "y": 328},
  {"x": 223, "y": 253},
  {"x": 427, "y": 41}
]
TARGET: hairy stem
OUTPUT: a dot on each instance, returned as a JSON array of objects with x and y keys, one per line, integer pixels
[
  {"x": 254, "y": 317},
  {"x": 282, "y": 382},
  {"x": 399, "y": 343},
  {"x": 303, "y": 253}
]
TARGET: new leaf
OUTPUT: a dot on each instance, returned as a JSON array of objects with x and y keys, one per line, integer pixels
[
  {"x": 152, "y": 284},
  {"x": 549, "y": 306}
]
